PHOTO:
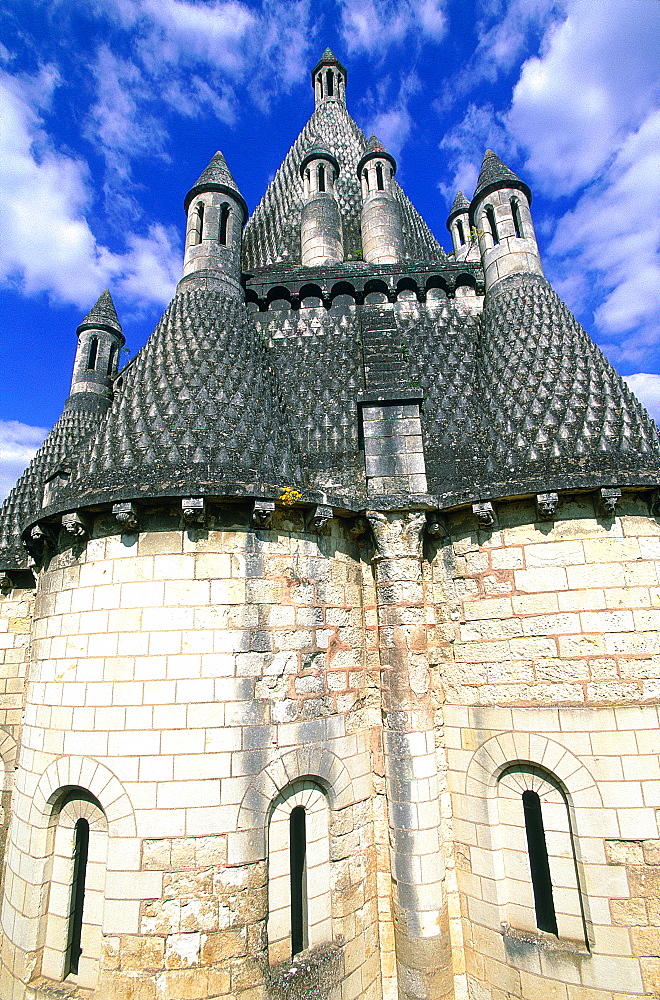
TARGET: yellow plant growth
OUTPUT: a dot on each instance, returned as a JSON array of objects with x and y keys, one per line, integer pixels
[{"x": 290, "y": 496}]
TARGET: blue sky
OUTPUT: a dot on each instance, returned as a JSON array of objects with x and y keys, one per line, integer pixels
[{"x": 112, "y": 108}]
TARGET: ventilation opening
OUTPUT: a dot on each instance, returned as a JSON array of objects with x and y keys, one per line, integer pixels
[
  {"x": 93, "y": 351},
  {"x": 379, "y": 177},
  {"x": 330, "y": 83},
  {"x": 461, "y": 232},
  {"x": 546, "y": 919},
  {"x": 81, "y": 849},
  {"x": 490, "y": 215},
  {"x": 517, "y": 221},
  {"x": 224, "y": 220},
  {"x": 298, "y": 869},
  {"x": 321, "y": 177},
  {"x": 111, "y": 359}
]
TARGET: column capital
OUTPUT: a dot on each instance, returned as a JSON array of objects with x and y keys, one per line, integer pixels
[{"x": 398, "y": 535}]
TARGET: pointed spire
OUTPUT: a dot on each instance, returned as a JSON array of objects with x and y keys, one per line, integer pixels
[
  {"x": 461, "y": 206},
  {"x": 102, "y": 315},
  {"x": 329, "y": 79},
  {"x": 375, "y": 148},
  {"x": 495, "y": 174},
  {"x": 216, "y": 177},
  {"x": 328, "y": 59}
]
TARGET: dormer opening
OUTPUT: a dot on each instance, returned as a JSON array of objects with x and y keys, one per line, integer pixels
[
  {"x": 93, "y": 352},
  {"x": 379, "y": 177},
  {"x": 490, "y": 215},
  {"x": 517, "y": 221},
  {"x": 224, "y": 225}
]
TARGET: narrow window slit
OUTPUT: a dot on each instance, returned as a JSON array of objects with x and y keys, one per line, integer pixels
[
  {"x": 379, "y": 177},
  {"x": 490, "y": 215},
  {"x": 93, "y": 351},
  {"x": 546, "y": 919},
  {"x": 330, "y": 83},
  {"x": 321, "y": 177},
  {"x": 461, "y": 234},
  {"x": 298, "y": 869},
  {"x": 111, "y": 359},
  {"x": 517, "y": 222},
  {"x": 224, "y": 220},
  {"x": 81, "y": 848}
]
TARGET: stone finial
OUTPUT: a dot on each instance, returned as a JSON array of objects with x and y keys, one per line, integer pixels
[
  {"x": 546, "y": 505},
  {"x": 434, "y": 526},
  {"x": 193, "y": 510},
  {"x": 262, "y": 513},
  {"x": 484, "y": 514},
  {"x": 608, "y": 497},
  {"x": 76, "y": 525},
  {"x": 319, "y": 518},
  {"x": 126, "y": 515}
]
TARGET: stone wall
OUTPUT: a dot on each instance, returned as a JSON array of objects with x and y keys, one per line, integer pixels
[{"x": 547, "y": 657}]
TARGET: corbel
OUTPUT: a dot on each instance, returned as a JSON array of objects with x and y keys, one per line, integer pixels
[
  {"x": 608, "y": 497},
  {"x": 546, "y": 506},
  {"x": 434, "y": 525},
  {"x": 76, "y": 525},
  {"x": 126, "y": 516},
  {"x": 484, "y": 514},
  {"x": 193, "y": 511},
  {"x": 319, "y": 518},
  {"x": 262, "y": 513}
]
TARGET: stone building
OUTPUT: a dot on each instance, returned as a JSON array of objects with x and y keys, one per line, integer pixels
[{"x": 330, "y": 623}]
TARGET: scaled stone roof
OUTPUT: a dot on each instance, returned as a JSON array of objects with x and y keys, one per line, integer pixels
[
  {"x": 102, "y": 315},
  {"x": 375, "y": 148},
  {"x": 216, "y": 176},
  {"x": 494, "y": 174},
  {"x": 272, "y": 235},
  {"x": 199, "y": 409}
]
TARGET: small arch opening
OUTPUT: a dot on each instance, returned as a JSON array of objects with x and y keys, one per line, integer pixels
[
  {"x": 224, "y": 224},
  {"x": 111, "y": 359},
  {"x": 461, "y": 232},
  {"x": 330, "y": 84},
  {"x": 539, "y": 864},
  {"x": 490, "y": 215},
  {"x": 197, "y": 225},
  {"x": 77, "y": 902},
  {"x": 93, "y": 353},
  {"x": 517, "y": 221},
  {"x": 321, "y": 176},
  {"x": 379, "y": 177},
  {"x": 319, "y": 80},
  {"x": 298, "y": 879}
]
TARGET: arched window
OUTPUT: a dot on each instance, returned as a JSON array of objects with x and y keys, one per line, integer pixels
[
  {"x": 197, "y": 226},
  {"x": 517, "y": 221},
  {"x": 539, "y": 864},
  {"x": 299, "y": 874},
  {"x": 379, "y": 177},
  {"x": 111, "y": 359},
  {"x": 93, "y": 352},
  {"x": 223, "y": 228},
  {"x": 460, "y": 231},
  {"x": 321, "y": 176},
  {"x": 330, "y": 83},
  {"x": 490, "y": 215},
  {"x": 72, "y": 944},
  {"x": 319, "y": 80}
]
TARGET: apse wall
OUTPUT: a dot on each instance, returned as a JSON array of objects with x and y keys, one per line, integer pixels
[
  {"x": 183, "y": 685},
  {"x": 547, "y": 653}
]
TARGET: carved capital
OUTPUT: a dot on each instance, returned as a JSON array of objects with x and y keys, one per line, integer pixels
[
  {"x": 546, "y": 505},
  {"x": 76, "y": 526},
  {"x": 319, "y": 518},
  {"x": 484, "y": 514},
  {"x": 126, "y": 516},
  {"x": 262, "y": 513},
  {"x": 608, "y": 497},
  {"x": 398, "y": 535},
  {"x": 193, "y": 510}
]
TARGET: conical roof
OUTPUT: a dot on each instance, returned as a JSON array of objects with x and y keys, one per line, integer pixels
[
  {"x": 272, "y": 235},
  {"x": 460, "y": 206},
  {"x": 199, "y": 412},
  {"x": 319, "y": 150},
  {"x": 375, "y": 148},
  {"x": 215, "y": 177},
  {"x": 102, "y": 315},
  {"x": 495, "y": 174},
  {"x": 328, "y": 59}
]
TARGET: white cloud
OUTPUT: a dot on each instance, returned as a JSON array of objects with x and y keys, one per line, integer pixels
[
  {"x": 647, "y": 389},
  {"x": 390, "y": 120},
  {"x": 375, "y": 25},
  {"x": 18, "y": 443},
  {"x": 46, "y": 243},
  {"x": 480, "y": 129}
]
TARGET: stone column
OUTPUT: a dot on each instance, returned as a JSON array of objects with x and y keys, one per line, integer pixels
[{"x": 421, "y": 926}]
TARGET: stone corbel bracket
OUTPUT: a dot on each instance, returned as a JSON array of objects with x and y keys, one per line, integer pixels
[
  {"x": 359, "y": 530},
  {"x": 655, "y": 503},
  {"x": 193, "y": 511},
  {"x": 77, "y": 526},
  {"x": 434, "y": 526},
  {"x": 484, "y": 513},
  {"x": 546, "y": 506},
  {"x": 5, "y": 583},
  {"x": 262, "y": 513},
  {"x": 319, "y": 519},
  {"x": 40, "y": 536},
  {"x": 126, "y": 516},
  {"x": 608, "y": 497}
]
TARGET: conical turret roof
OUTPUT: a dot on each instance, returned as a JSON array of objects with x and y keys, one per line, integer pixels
[
  {"x": 495, "y": 174},
  {"x": 102, "y": 315},
  {"x": 329, "y": 59},
  {"x": 375, "y": 148},
  {"x": 272, "y": 235},
  {"x": 460, "y": 206},
  {"x": 319, "y": 150},
  {"x": 215, "y": 177}
]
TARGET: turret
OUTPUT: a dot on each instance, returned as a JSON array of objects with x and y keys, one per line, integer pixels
[
  {"x": 458, "y": 224},
  {"x": 99, "y": 342},
  {"x": 321, "y": 237},
  {"x": 381, "y": 225},
  {"x": 499, "y": 211},
  {"x": 216, "y": 214},
  {"x": 329, "y": 79}
]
